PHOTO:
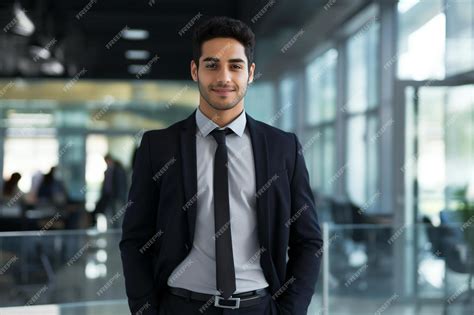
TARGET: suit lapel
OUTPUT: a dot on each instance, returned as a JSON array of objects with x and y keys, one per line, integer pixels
[
  {"x": 260, "y": 154},
  {"x": 189, "y": 174}
]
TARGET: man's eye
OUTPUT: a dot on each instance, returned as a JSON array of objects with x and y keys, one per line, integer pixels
[
  {"x": 237, "y": 67},
  {"x": 211, "y": 65}
]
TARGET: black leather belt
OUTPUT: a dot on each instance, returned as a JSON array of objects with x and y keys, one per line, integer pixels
[{"x": 238, "y": 300}]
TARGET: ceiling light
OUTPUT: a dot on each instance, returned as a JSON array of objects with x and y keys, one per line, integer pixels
[
  {"x": 39, "y": 52},
  {"x": 52, "y": 67},
  {"x": 135, "y": 34},
  {"x": 137, "y": 54},
  {"x": 23, "y": 26},
  {"x": 135, "y": 69}
]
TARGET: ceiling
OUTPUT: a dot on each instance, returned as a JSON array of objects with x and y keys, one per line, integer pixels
[{"x": 86, "y": 38}]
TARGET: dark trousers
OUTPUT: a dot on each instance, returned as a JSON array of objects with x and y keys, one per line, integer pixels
[{"x": 175, "y": 305}]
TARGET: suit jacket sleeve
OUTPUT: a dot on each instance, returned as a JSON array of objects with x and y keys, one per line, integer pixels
[
  {"x": 305, "y": 242},
  {"x": 137, "y": 229}
]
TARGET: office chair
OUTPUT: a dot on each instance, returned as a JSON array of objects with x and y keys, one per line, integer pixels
[{"x": 446, "y": 242}]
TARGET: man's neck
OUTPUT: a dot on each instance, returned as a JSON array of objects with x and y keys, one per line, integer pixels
[{"x": 222, "y": 117}]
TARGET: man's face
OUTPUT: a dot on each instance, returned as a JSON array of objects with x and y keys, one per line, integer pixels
[{"x": 223, "y": 74}]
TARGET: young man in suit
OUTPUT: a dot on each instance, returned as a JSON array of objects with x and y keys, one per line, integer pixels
[{"x": 219, "y": 201}]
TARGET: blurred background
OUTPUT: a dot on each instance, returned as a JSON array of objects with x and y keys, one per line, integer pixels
[{"x": 380, "y": 94}]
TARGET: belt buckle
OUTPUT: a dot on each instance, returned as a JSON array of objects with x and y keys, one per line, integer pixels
[{"x": 219, "y": 298}]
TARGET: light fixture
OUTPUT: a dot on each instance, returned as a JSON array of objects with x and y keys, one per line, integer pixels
[
  {"x": 39, "y": 52},
  {"x": 52, "y": 67},
  {"x": 137, "y": 54},
  {"x": 136, "y": 69},
  {"x": 23, "y": 24},
  {"x": 135, "y": 34}
]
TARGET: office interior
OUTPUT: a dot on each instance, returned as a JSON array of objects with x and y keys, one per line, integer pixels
[{"x": 380, "y": 94}]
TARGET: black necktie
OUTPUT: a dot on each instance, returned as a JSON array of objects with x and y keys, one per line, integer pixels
[{"x": 225, "y": 273}]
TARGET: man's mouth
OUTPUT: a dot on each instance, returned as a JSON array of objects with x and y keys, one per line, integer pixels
[{"x": 222, "y": 91}]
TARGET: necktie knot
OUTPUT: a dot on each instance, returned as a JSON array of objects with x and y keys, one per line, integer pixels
[{"x": 219, "y": 135}]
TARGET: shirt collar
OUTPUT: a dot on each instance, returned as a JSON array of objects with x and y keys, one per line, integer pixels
[{"x": 206, "y": 125}]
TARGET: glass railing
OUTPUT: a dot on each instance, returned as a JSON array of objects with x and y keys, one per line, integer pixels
[
  {"x": 60, "y": 267},
  {"x": 375, "y": 269},
  {"x": 367, "y": 269},
  {"x": 114, "y": 307}
]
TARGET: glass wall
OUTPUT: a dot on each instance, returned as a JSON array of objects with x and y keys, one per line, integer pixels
[
  {"x": 320, "y": 120},
  {"x": 459, "y": 37},
  {"x": 72, "y": 126},
  {"x": 63, "y": 267},
  {"x": 436, "y": 38},
  {"x": 361, "y": 113},
  {"x": 260, "y": 101},
  {"x": 287, "y": 113},
  {"x": 444, "y": 157},
  {"x": 459, "y": 137},
  {"x": 421, "y": 39}
]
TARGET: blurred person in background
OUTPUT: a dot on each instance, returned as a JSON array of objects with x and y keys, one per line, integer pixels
[
  {"x": 10, "y": 188},
  {"x": 51, "y": 190},
  {"x": 32, "y": 196},
  {"x": 12, "y": 199},
  {"x": 114, "y": 191}
]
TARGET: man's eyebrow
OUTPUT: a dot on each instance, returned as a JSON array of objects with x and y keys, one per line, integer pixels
[
  {"x": 237, "y": 60},
  {"x": 214, "y": 59},
  {"x": 233, "y": 60}
]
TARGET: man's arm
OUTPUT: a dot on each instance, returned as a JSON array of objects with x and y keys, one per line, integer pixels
[
  {"x": 137, "y": 229},
  {"x": 304, "y": 244}
]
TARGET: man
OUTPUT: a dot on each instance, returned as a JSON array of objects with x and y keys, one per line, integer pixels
[
  {"x": 114, "y": 190},
  {"x": 219, "y": 199}
]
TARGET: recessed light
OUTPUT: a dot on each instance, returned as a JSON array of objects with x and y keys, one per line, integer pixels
[
  {"x": 22, "y": 23},
  {"x": 135, "y": 34},
  {"x": 39, "y": 52},
  {"x": 137, "y": 54},
  {"x": 52, "y": 67},
  {"x": 136, "y": 69}
]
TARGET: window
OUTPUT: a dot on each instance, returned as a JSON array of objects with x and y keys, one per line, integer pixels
[
  {"x": 362, "y": 62},
  {"x": 31, "y": 146},
  {"x": 422, "y": 40},
  {"x": 321, "y": 87},
  {"x": 287, "y": 111},
  {"x": 436, "y": 38},
  {"x": 260, "y": 101},
  {"x": 319, "y": 140},
  {"x": 361, "y": 114},
  {"x": 459, "y": 37}
]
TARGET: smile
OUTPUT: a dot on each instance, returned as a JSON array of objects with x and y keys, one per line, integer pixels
[{"x": 222, "y": 91}]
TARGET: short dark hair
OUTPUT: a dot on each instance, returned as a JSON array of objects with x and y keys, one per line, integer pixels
[
  {"x": 222, "y": 26},
  {"x": 108, "y": 156}
]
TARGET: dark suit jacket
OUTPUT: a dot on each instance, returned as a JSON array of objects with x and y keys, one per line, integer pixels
[{"x": 158, "y": 227}]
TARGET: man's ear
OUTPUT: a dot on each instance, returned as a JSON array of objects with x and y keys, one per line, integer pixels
[
  {"x": 194, "y": 71},
  {"x": 251, "y": 72}
]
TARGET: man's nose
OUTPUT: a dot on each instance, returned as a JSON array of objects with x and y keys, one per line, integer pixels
[{"x": 223, "y": 75}]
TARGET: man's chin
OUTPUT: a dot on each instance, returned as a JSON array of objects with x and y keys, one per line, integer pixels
[{"x": 223, "y": 106}]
